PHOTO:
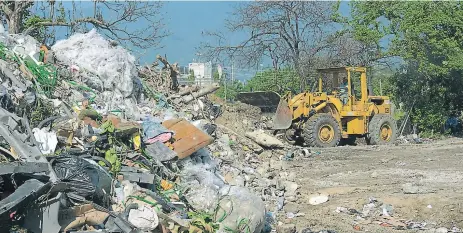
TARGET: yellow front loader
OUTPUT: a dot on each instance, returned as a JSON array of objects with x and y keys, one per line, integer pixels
[{"x": 340, "y": 111}]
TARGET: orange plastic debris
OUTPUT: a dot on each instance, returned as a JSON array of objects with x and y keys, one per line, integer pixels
[{"x": 166, "y": 185}]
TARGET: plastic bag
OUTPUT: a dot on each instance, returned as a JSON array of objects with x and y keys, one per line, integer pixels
[
  {"x": 114, "y": 65},
  {"x": 25, "y": 44},
  {"x": 144, "y": 218},
  {"x": 204, "y": 198},
  {"x": 85, "y": 179},
  {"x": 153, "y": 128},
  {"x": 199, "y": 175},
  {"x": 47, "y": 139},
  {"x": 240, "y": 210}
]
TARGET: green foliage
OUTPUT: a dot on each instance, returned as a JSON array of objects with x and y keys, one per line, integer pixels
[
  {"x": 382, "y": 83},
  {"x": 428, "y": 36},
  {"x": 40, "y": 31},
  {"x": 216, "y": 76},
  {"x": 336, "y": 15},
  {"x": 274, "y": 80},
  {"x": 203, "y": 221},
  {"x": 230, "y": 90},
  {"x": 427, "y": 32},
  {"x": 40, "y": 112},
  {"x": 279, "y": 81},
  {"x": 434, "y": 96},
  {"x": 191, "y": 76},
  {"x": 107, "y": 127},
  {"x": 429, "y": 118},
  {"x": 112, "y": 158}
]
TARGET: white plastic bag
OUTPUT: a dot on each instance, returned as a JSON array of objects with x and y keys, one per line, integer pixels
[
  {"x": 114, "y": 65},
  {"x": 47, "y": 140},
  {"x": 144, "y": 218},
  {"x": 241, "y": 210}
]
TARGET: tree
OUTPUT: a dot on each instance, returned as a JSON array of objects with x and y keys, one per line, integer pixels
[
  {"x": 216, "y": 76},
  {"x": 345, "y": 50},
  {"x": 287, "y": 32},
  {"x": 427, "y": 32},
  {"x": 279, "y": 81},
  {"x": 192, "y": 76},
  {"x": 428, "y": 36},
  {"x": 14, "y": 13},
  {"x": 115, "y": 19},
  {"x": 229, "y": 89}
]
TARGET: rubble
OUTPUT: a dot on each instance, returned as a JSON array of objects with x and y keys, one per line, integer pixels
[
  {"x": 286, "y": 228},
  {"x": 92, "y": 143},
  {"x": 382, "y": 214},
  {"x": 263, "y": 139},
  {"x": 291, "y": 207}
]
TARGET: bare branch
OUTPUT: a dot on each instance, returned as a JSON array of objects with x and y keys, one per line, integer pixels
[
  {"x": 137, "y": 23},
  {"x": 5, "y": 8},
  {"x": 284, "y": 31}
]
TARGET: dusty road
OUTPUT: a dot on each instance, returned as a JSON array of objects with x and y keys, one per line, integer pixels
[{"x": 350, "y": 175}]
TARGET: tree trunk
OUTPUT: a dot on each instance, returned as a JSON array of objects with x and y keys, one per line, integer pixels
[
  {"x": 202, "y": 92},
  {"x": 301, "y": 73},
  {"x": 174, "y": 72},
  {"x": 14, "y": 23}
]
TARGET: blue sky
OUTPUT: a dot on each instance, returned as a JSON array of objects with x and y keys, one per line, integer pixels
[{"x": 186, "y": 21}]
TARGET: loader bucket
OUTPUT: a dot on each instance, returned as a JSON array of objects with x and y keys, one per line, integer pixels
[{"x": 270, "y": 102}]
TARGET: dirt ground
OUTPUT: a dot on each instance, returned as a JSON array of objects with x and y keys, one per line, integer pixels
[{"x": 352, "y": 174}]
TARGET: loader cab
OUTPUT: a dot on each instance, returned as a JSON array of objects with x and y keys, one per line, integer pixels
[{"x": 331, "y": 81}]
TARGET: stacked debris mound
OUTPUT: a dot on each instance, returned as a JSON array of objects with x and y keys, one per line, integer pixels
[
  {"x": 88, "y": 145},
  {"x": 113, "y": 66},
  {"x": 240, "y": 117},
  {"x": 103, "y": 66},
  {"x": 250, "y": 155}
]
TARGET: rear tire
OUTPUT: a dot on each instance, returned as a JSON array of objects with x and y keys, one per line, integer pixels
[
  {"x": 382, "y": 130},
  {"x": 322, "y": 130}
]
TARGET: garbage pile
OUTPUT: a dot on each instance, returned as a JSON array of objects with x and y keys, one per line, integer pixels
[
  {"x": 251, "y": 156},
  {"x": 91, "y": 143}
]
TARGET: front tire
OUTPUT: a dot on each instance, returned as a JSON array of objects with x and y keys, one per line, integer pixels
[
  {"x": 289, "y": 137},
  {"x": 322, "y": 130},
  {"x": 382, "y": 130}
]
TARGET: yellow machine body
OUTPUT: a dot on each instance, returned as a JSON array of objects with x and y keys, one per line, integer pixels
[{"x": 353, "y": 115}]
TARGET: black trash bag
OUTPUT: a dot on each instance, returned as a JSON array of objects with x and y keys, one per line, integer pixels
[
  {"x": 85, "y": 180},
  {"x": 215, "y": 110},
  {"x": 210, "y": 128},
  {"x": 5, "y": 99}
]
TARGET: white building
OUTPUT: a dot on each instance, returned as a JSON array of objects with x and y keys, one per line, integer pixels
[{"x": 202, "y": 72}]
